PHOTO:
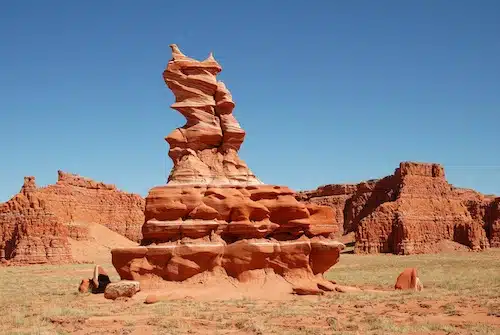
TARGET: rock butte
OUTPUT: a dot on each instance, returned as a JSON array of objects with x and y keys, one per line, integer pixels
[
  {"x": 413, "y": 211},
  {"x": 35, "y": 224},
  {"x": 214, "y": 215}
]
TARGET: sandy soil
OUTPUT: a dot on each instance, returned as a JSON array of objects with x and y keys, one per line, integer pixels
[
  {"x": 97, "y": 248},
  {"x": 461, "y": 296}
]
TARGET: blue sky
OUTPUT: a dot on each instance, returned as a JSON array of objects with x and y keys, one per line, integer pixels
[{"x": 327, "y": 91}]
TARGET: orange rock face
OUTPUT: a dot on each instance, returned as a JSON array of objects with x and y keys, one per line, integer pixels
[
  {"x": 175, "y": 212},
  {"x": 302, "y": 261},
  {"x": 36, "y": 223},
  {"x": 29, "y": 232},
  {"x": 77, "y": 201},
  {"x": 408, "y": 280},
  {"x": 204, "y": 150},
  {"x": 214, "y": 214},
  {"x": 410, "y": 212},
  {"x": 493, "y": 228}
]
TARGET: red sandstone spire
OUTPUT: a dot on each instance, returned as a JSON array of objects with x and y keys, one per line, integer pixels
[{"x": 205, "y": 149}]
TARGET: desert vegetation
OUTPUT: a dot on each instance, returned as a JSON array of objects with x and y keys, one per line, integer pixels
[{"x": 461, "y": 296}]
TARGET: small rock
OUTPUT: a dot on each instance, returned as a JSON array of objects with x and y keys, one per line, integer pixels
[
  {"x": 307, "y": 291},
  {"x": 408, "y": 280},
  {"x": 151, "y": 299},
  {"x": 124, "y": 288},
  {"x": 326, "y": 287},
  {"x": 340, "y": 289}
]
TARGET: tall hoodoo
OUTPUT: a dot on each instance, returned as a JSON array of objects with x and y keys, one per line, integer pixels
[
  {"x": 205, "y": 149},
  {"x": 214, "y": 215}
]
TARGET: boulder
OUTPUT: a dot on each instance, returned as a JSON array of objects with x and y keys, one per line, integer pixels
[
  {"x": 123, "y": 288},
  {"x": 151, "y": 299},
  {"x": 408, "y": 280}
]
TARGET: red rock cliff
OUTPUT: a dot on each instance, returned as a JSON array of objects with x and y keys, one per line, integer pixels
[
  {"x": 493, "y": 229},
  {"x": 29, "y": 232},
  {"x": 411, "y": 211},
  {"x": 74, "y": 199},
  {"x": 36, "y": 223}
]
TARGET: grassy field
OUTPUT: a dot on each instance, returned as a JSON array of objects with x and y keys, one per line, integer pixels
[{"x": 461, "y": 296}]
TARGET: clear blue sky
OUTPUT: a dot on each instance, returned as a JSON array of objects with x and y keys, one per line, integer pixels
[{"x": 327, "y": 91}]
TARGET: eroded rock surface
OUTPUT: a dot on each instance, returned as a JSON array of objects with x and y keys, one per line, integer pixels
[
  {"x": 493, "y": 227},
  {"x": 295, "y": 259},
  {"x": 77, "y": 201},
  {"x": 408, "y": 280},
  {"x": 175, "y": 212},
  {"x": 36, "y": 223},
  {"x": 29, "y": 232},
  {"x": 214, "y": 215},
  {"x": 121, "y": 289},
  {"x": 204, "y": 150},
  {"x": 412, "y": 211}
]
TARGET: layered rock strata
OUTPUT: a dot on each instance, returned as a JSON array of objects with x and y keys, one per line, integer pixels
[
  {"x": 78, "y": 201},
  {"x": 204, "y": 150},
  {"x": 29, "y": 232},
  {"x": 412, "y": 211},
  {"x": 214, "y": 215},
  {"x": 301, "y": 262},
  {"x": 494, "y": 223},
  {"x": 36, "y": 223},
  {"x": 175, "y": 212}
]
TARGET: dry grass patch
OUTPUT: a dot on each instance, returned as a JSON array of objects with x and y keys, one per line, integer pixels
[{"x": 461, "y": 296}]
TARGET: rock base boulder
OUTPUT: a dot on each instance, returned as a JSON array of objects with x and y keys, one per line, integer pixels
[{"x": 298, "y": 260}]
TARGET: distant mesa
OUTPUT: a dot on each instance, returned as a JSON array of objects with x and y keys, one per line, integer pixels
[
  {"x": 413, "y": 211},
  {"x": 37, "y": 223}
]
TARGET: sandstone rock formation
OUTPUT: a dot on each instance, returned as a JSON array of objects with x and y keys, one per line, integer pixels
[
  {"x": 214, "y": 215},
  {"x": 29, "y": 232},
  {"x": 493, "y": 226},
  {"x": 408, "y": 280},
  {"x": 204, "y": 150},
  {"x": 78, "y": 201},
  {"x": 412, "y": 211},
  {"x": 36, "y": 223}
]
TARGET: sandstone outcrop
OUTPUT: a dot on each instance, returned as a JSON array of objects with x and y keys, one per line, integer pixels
[
  {"x": 36, "y": 223},
  {"x": 29, "y": 232},
  {"x": 493, "y": 227},
  {"x": 204, "y": 150},
  {"x": 408, "y": 280},
  {"x": 412, "y": 211},
  {"x": 76, "y": 200},
  {"x": 214, "y": 215}
]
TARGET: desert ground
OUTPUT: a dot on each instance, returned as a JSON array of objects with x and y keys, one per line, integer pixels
[{"x": 461, "y": 296}]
